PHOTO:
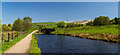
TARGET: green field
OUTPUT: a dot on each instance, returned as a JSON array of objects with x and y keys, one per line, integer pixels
[
  {"x": 108, "y": 29},
  {"x": 47, "y": 24}
]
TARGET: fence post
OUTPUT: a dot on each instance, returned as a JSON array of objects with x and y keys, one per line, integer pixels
[
  {"x": 8, "y": 37},
  {"x": 15, "y": 35},
  {"x": 2, "y": 38},
  {"x": 12, "y": 36}
]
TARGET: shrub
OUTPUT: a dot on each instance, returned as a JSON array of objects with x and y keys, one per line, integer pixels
[
  {"x": 102, "y": 20},
  {"x": 90, "y": 23},
  {"x": 61, "y": 24}
]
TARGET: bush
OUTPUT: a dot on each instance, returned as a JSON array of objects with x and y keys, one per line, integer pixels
[
  {"x": 70, "y": 25},
  {"x": 102, "y": 20},
  {"x": 89, "y": 23},
  {"x": 61, "y": 24}
]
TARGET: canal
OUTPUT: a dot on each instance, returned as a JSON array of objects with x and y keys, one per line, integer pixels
[{"x": 68, "y": 44}]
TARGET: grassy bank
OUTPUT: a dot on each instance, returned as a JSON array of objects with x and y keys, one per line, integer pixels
[
  {"x": 107, "y": 29},
  {"x": 106, "y": 33},
  {"x": 7, "y": 45},
  {"x": 34, "y": 46}
]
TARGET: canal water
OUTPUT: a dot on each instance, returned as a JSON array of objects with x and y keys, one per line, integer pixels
[{"x": 68, "y": 44}]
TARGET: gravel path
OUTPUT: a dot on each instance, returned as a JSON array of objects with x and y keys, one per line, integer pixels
[{"x": 22, "y": 46}]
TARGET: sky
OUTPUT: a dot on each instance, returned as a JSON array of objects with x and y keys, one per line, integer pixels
[
  {"x": 60, "y": 0},
  {"x": 57, "y": 11}
]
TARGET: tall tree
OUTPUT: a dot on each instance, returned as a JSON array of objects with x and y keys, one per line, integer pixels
[
  {"x": 17, "y": 26},
  {"x": 27, "y": 23},
  {"x": 27, "y": 19}
]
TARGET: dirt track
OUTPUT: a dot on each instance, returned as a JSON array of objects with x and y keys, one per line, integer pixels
[{"x": 21, "y": 46}]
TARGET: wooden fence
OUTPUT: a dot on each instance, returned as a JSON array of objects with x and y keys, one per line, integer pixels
[{"x": 11, "y": 35}]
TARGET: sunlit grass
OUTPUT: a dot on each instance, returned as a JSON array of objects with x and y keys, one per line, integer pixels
[
  {"x": 108, "y": 29},
  {"x": 34, "y": 46}
]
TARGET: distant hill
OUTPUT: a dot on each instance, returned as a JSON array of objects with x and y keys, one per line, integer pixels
[
  {"x": 54, "y": 23},
  {"x": 79, "y": 22},
  {"x": 45, "y": 23}
]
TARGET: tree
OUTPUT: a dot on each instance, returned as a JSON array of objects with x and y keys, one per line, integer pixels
[
  {"x": 102, "y": 20},
  {"x": 115, "y": 21},
  {"x": 90, "y": 23},
  {"x": 69, "y": 25},
  {"x": 26, "y": 25},
  {"x": 27, "y": 19},
  {"x": 61, "y": 24},
  {"x": 9, "y": 25},
  {"x": 8, "y": 29},
  {"x": 4, "y": 27},
  {"x": 18, "y": 26},
  {"x": 118, "y": 21}
]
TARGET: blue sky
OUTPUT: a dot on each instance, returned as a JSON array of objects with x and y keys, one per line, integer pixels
[
  {"x": 60, "y": 0},
  {"x": 57, "y": 11}
]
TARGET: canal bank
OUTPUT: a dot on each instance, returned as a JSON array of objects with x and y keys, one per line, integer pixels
[
  {"x": 108, "y": 37},
  {"x": 34, "y": 50},
  {"x": 114, "y": 38}
]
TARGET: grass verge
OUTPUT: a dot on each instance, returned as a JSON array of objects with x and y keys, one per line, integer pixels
[
  {"x": 7, "y": 45},
  {"x": 107, "y": 33},
  {"x": 34, "y": 50}
]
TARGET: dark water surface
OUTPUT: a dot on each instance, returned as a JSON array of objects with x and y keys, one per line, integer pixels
[{"x": 68, "y": 44}]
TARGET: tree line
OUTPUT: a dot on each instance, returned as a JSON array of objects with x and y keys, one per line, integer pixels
[
  {"x": 19, "y": 25},
  {"x": 98, "y": 21},
  {"x": 103, "y": 20}
]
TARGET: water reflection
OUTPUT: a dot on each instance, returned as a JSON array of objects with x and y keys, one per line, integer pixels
[{"x": 68, "y": 44}]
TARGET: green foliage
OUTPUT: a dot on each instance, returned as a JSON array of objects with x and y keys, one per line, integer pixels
[
  {"x": 9, "y": 25},
  {"x": 27, "y": 19},
  {"x": 102, "y": 20},
  {"x": 116, "y": 20},
  {"x": 9, "y": 28},
  {"x": 4, "y": 27},
  {"x": 70, "y": 25},
  {"x": 113, "y": 21},
  {"x": 18, "y": 26},
  {"x": 26, "y": 26},
  {"x": 61, "y": 24},
  {"x": 45, "y": 25},
  {"x": 90, "y": 23},
  {"x": 22, "y": 25},
  {"x": 34, "y": 46}
]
